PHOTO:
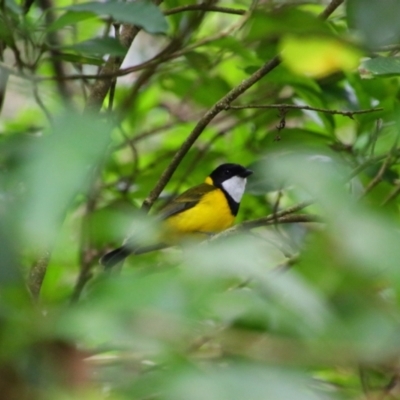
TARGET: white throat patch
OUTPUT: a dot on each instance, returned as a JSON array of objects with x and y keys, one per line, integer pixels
[{"x": 235, "y": 187}]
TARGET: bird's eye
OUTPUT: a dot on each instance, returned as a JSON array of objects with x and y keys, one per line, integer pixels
[{"x": 227, "y": 172}]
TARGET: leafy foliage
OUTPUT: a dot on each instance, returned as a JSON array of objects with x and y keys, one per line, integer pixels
[{"x": 111, "y": 108}]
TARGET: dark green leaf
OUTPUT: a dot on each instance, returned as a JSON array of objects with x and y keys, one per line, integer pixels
[
  {"x": 100, "y": 46},
  {"x": 5, "y": 33},
  {"x": 141, "y": 13},
  {"x": 380, "y": 66}
]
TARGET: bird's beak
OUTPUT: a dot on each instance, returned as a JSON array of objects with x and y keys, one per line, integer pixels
[{"x": 246, "y": 173}]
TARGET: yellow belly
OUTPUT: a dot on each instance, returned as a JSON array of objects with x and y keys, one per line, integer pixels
[{"x": 211, "y": 215}]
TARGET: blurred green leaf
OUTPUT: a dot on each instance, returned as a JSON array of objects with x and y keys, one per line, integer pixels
[
  {"x": 13, "y": 6},
  {"x": 241, "y": 380},
  {"x": 57, "y": 167},
  {"x": 375, "y": 20},
  {"x": 5, "y": 32},
  {"x": 285, "y": 310}
]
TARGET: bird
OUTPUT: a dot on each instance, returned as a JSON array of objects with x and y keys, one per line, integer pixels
[{"x": 200, "y": 212}]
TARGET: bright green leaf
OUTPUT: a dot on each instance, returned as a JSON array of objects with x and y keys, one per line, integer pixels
[{"x": 100, "y": 46}]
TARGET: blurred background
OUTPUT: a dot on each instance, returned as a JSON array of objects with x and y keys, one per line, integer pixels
[{"x": 111, "y": 108}]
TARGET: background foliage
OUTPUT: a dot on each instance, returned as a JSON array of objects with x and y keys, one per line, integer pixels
[{"x": 109, "y": 106}]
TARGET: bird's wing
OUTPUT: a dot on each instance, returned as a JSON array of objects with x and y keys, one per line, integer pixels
[{"x": 185, "y": 201}]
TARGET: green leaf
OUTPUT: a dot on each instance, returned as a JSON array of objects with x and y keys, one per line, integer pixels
[
  {"x": 5, "y": 34},
  {"x": 287, "y": 20},
  {"x": 100, "y": 46},
  {"x": 376, "y": 20},
  {"x": 69, "y": 18},
  {"x": 72, "y": 148},
  {"x": 13, "y": 6},
  {"x": 141, "y": 13},
  {"x": 380, "y": 66},
  {"x": 241, "y": 381},
  {"x": 198, "y": 60}
]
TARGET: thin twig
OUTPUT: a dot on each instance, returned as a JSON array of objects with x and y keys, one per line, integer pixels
[
  {"x": 266, "y": 221},
  {"x": 135, "y": 167},
  {"x": 370, "y": 161},
  {"x": 110, "y": 70},
  {"x": 330, "y": 8},
  {"x": 204, "y": 7},
  {"x": 392, "y": 195},
  {"x": 349, "y": 114},
  {"x": 385, "y": 165},
  {"x": 378, "y": 128},
  {"x": 378, "y": 177},
  {"x": 41, "y": 104}
]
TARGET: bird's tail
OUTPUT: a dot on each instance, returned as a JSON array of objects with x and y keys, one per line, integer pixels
[{"x": 115, "y": 256}]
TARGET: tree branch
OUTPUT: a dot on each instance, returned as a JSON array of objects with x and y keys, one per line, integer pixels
[
  {"x": 286, "y": 216},
  {"x": 219, "y": 106}
]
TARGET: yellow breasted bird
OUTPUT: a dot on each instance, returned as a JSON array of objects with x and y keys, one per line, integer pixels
[{"x": 202, "y": 210}]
